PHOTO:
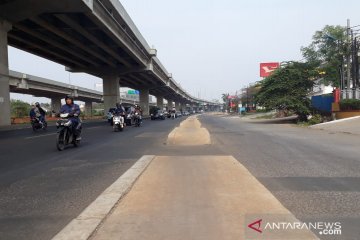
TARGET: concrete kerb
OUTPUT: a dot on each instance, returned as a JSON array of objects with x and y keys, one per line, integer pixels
[
  {"x": 86, "y": 224},
  {"x": 335, "y": 121}
]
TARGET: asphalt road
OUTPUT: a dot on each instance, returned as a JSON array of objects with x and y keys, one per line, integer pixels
[
  {"x": 313, "y": 173},
  {"x": 42, "y": 189}
]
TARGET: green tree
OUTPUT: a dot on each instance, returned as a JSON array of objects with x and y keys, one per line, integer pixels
[
  {"x": 19, "y": 108},
  {"x": 326, "y": 52},
  {"x": 224, "y": 97},
  {"x": 287, "y": 89}
]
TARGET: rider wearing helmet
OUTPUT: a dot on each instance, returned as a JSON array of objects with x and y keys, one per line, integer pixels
[
  {"x": 139, "y": 111},
  {"x": 74, "y": 112},
  {"x": 120, "y": 110},
  {"x": 37, "y": 112}
]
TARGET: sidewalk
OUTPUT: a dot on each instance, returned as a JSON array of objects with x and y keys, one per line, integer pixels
[{"x": 347, "y": 125}]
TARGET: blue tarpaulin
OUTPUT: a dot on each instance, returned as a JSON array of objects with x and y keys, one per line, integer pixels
[{"x": 322, "y": 102}]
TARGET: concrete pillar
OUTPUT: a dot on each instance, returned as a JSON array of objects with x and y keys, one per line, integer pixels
[
  {"x": 177, "y": 106},
  {"x": 169, "y": 104},
  {"x": 160, "y": 102},
  {"x": 88, "y": 109},
  {"x": 56, "y": 104},
  {"x": 111, "y": 89},
  {"x": 5, "y": 113},
  {"x": 144, "y": 101}
]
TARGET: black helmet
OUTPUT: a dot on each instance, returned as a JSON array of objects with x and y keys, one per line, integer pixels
[{"x": 69, "y": 97}]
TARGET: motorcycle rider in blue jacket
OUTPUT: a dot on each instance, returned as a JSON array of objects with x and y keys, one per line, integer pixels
[
  {"x": 120, "y": 110},
  {"x": 74, "y": 113},
  {"x": 37, "y": 112}
]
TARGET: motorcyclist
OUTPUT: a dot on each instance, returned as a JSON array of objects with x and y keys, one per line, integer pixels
[
  {"x": 173, "y": 112},
  {"x": 139, "y": 111},
  {"x": 120, "y": 110},
  {"x": 37, "y": 112},
  {"x": 74, "y": 113}
]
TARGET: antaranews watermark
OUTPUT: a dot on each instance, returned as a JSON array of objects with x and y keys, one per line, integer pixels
[{"x": 288, "y": 227}]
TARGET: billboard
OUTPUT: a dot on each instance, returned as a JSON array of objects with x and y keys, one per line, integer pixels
[{"x": 267, "y": 68}]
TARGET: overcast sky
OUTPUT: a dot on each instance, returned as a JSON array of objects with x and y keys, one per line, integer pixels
[{"x": 214, "y": 47}]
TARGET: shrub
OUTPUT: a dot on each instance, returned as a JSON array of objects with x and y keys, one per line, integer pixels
[
  {"x": 316, "y": 119},
  {"x": 350, "y": 104}
]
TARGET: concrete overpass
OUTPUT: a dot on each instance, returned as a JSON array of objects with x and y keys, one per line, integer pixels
[
  {"x": 42, "y": 87},
  {"x": 93, "y": 36}
]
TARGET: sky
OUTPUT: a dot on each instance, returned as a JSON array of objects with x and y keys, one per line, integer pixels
[{"x": 213, "y": 47}]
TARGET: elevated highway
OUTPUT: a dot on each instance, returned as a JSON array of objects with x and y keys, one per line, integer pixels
[{"x": 93, "y": 36}]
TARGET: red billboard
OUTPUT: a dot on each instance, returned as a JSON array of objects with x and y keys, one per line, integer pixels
[{"x": 267, "y": 68}]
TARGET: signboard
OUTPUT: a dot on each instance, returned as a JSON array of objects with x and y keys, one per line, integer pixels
[
  {"x": 267, "y": 68},
  {"x": 131, "y": 92}
]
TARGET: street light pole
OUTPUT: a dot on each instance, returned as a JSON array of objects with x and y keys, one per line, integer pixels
[{"x": 348, "y": 63}]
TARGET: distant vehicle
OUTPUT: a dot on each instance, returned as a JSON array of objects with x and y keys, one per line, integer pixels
[
  {"x": 36, "y": 124},
  {"x": 178, "y": 114},
  {"x": 118, "y": 122},
  {"x": 186, "y": 113},
  {"x": 166, "y": 114},
  {"x": 137, "y": 119},
  {"x": 110, "y": 115},
  {"x": 159, "y": 114}
]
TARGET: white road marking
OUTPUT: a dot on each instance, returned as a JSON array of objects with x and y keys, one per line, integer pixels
[
  {"x": 44, "y": 135},
  {"x": 94, "y": 127}
]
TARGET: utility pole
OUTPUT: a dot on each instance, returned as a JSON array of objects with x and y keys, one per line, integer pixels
[
  {"x": 348, "y": 63},
  {"x": 353, "y": 59}
]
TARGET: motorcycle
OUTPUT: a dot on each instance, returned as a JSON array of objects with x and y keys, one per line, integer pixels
[
  {"x": 37, "y": 124},
  {"x": 66, "y": 134},
  {"x": 137, "y": 119},
  {"x": 118, "y": 123},
  {"x": 129, "y": 119}
]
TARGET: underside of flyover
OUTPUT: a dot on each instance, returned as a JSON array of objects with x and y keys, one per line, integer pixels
[{"x": 92, "y": 36}]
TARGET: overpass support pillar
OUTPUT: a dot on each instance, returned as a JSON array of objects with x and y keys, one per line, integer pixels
[
  {"x": 177, "y": 106},
  {"x": 88, "y": 109},
  {"x": 5, "y": 116},
  {"x": 111, "y": 90},
  {"x": 56, "y": 104},
  {"x": 144, "y": 101},
  {"x": 160, "y": 102},
  {"x": 169, "y": 104}
]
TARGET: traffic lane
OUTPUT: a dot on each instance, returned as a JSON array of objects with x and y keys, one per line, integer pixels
[
  {"x": 38, "y": 199},
  {"x": 26, "y": 131},
  {"x": 41, "y": 145},
  {"x": 314, "y": 174},
  {"x": 273, "y": 150},
  {"x": 37, "y": 153}
]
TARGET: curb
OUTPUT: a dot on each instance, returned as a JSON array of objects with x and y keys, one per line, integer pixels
[
  {"x": 85, "y": 225},
  {"x": 335, "y": 121}
]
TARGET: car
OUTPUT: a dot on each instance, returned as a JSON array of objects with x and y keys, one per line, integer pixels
[
  {"x": 178, "y": 114},
  {"x": 159, "y": 114},
  {"x": 186, "y": 113}
]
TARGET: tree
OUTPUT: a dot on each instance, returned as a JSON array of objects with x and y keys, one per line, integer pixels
[
  {"x": 287, "y": 89},
  {"x": 19, "y": 108},
  {"x": 225, "y": 97},
  {"x": 326, "y": 52},
  {"x": 247, "y": 96}
]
